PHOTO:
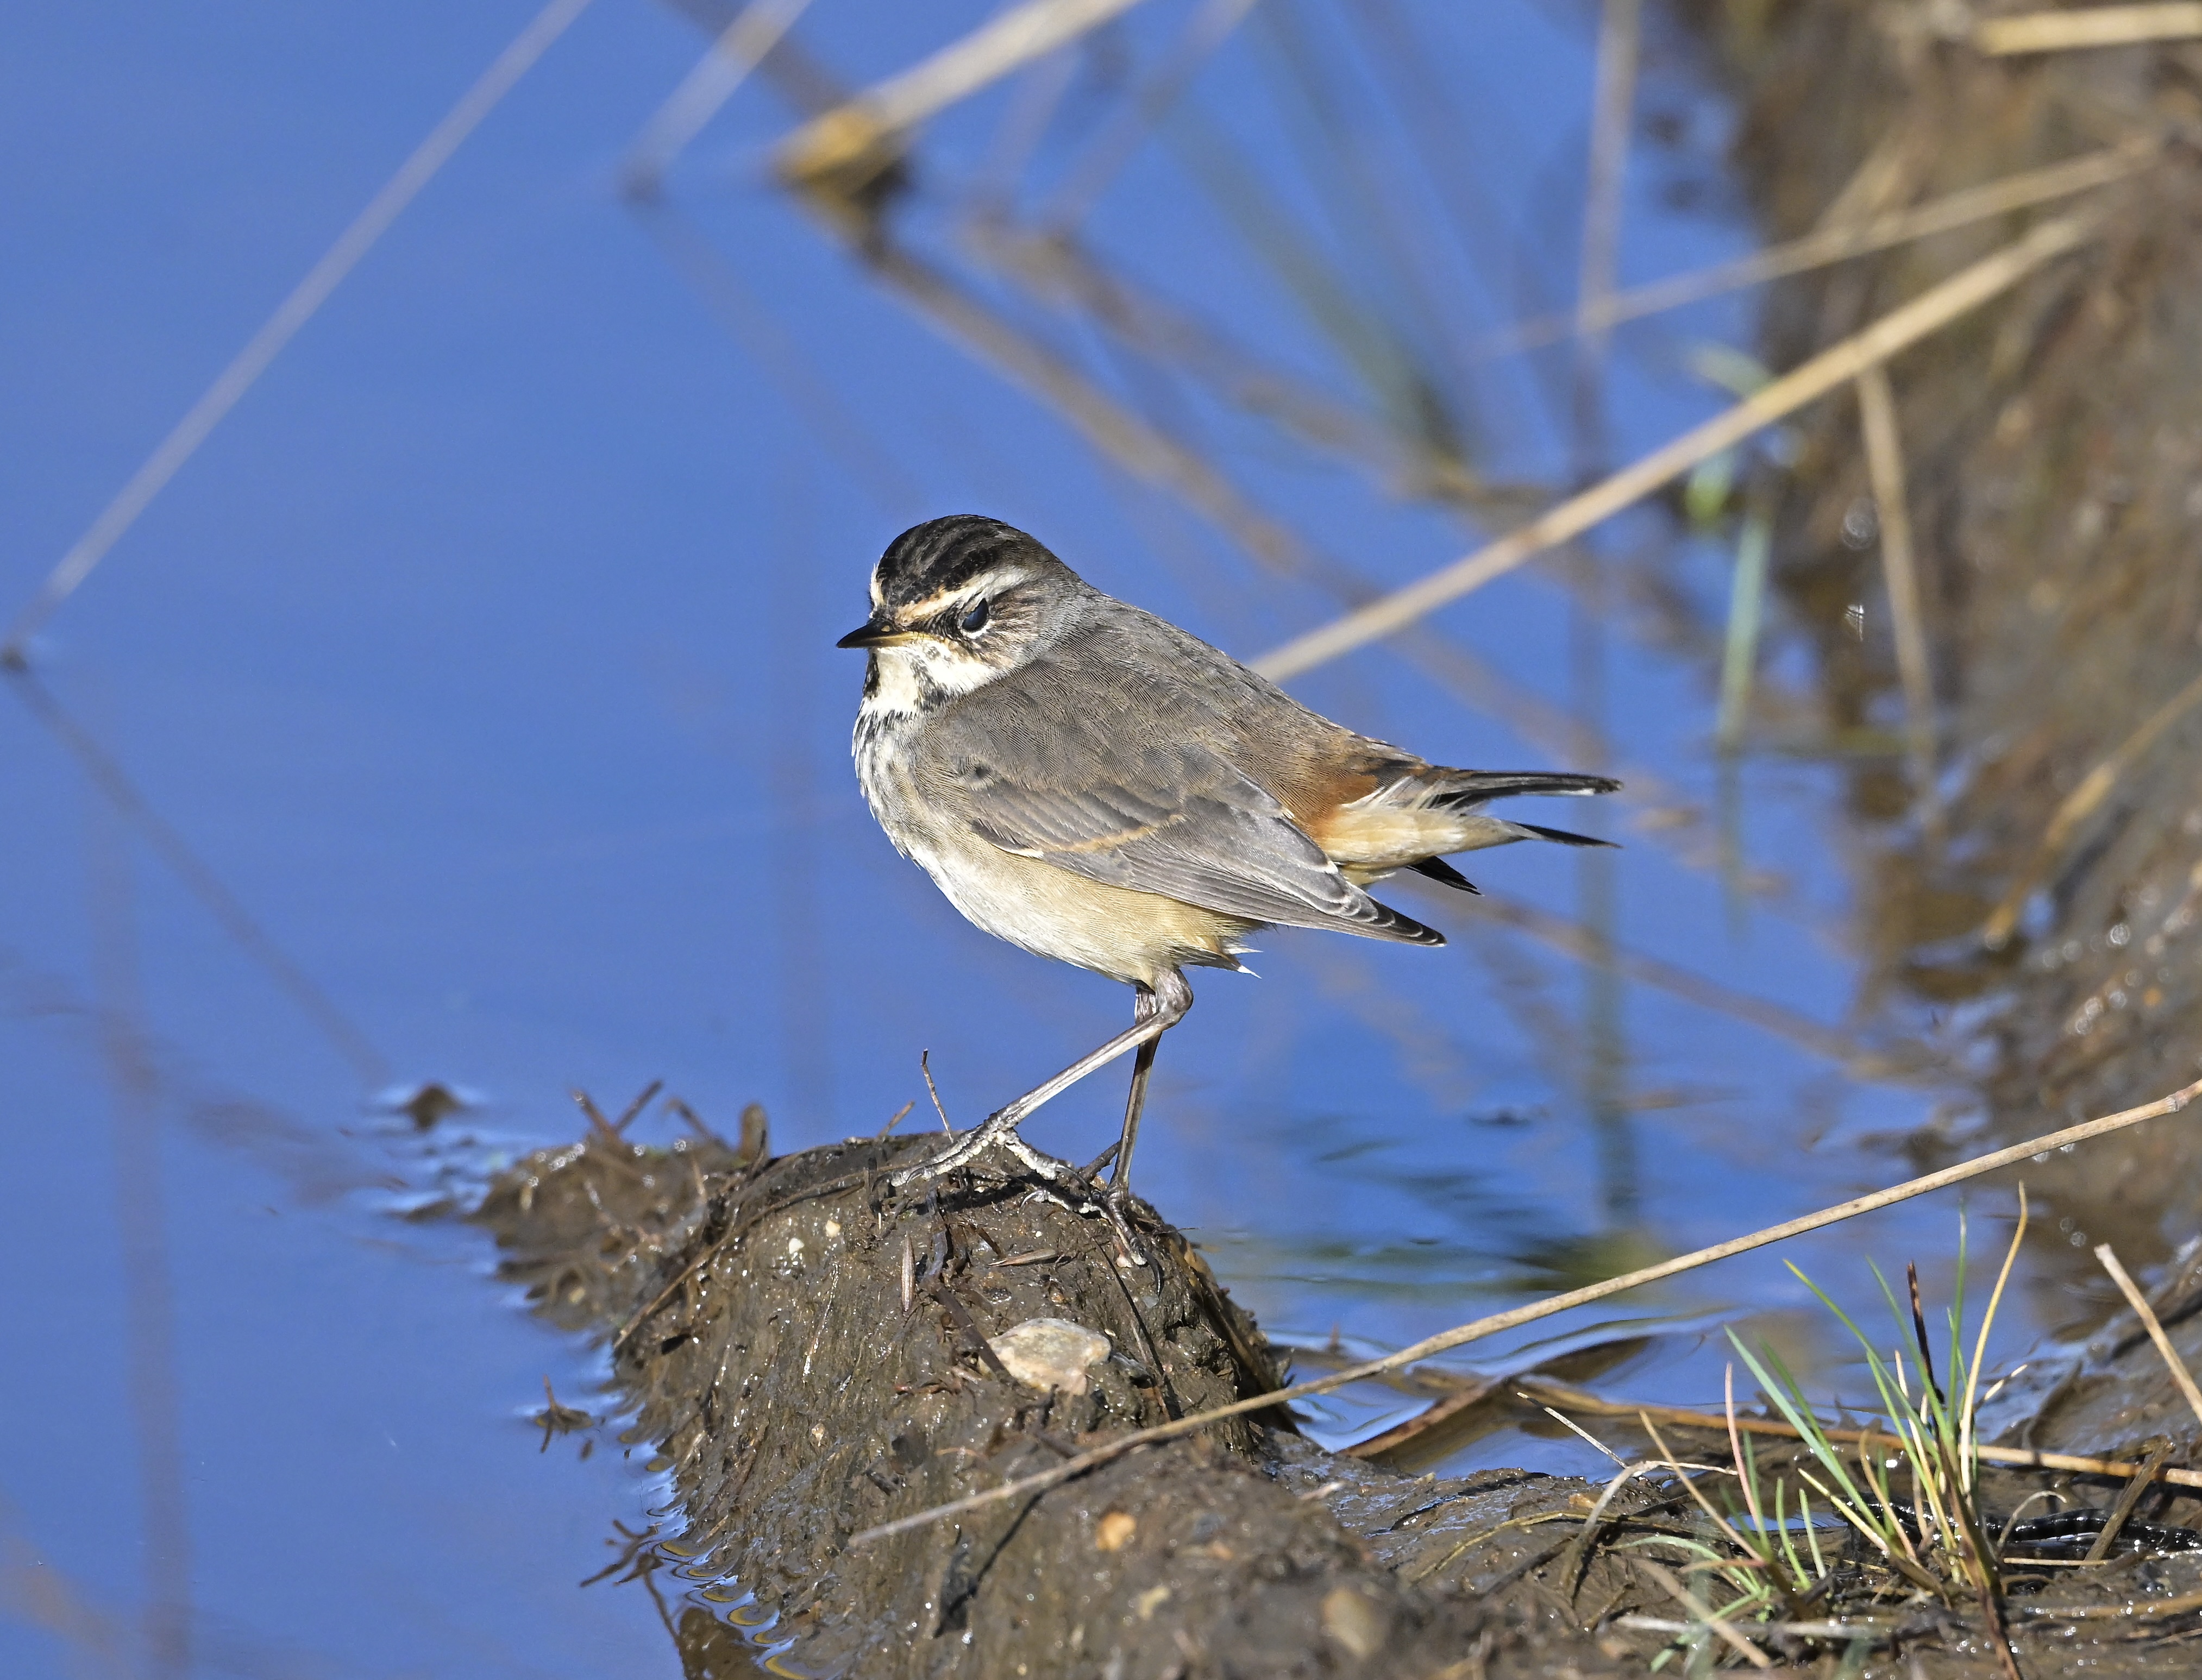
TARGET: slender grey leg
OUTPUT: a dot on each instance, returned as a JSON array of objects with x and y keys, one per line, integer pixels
[
  {"x": 1172, "y": 998},
  {"x": 1144, "y": 1008}
]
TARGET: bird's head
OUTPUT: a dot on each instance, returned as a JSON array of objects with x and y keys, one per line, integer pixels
[{"x": 957, "y": 603}]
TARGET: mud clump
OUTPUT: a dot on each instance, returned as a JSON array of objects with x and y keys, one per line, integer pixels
[{"x": 809, "y": 1354}]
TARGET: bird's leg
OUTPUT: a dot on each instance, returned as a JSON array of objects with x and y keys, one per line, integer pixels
[
  {"x": 1172, "y": 998},
  {"x": 1146, "y": 1005}
]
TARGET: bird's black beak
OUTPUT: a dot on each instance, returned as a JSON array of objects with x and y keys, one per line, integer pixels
[{"x": 872, "y": 633}]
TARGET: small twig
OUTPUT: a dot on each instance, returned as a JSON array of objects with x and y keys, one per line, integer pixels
[
  {"x": 1514, "y": 1318},
  {"x": 694, "y": 1122},
  {"x": 2154, "y": 1326},
  {"x": 1582, "y": 1434},
  {"x": 925, "y": 1066},
  {"x": 1700, "y": 1612},
  {"x": 634, "y": 1108},
  {"x": 597, "y": 1123},
  {"x": 1836, "y": 366},
  {"x": 945, "y": 1292},
  {"x": 894, "y": 1119},
  {"x": 2128, "y": 1497}
]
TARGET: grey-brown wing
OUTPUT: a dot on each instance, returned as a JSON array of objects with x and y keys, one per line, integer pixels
[{"x": 1184, "y": 825}]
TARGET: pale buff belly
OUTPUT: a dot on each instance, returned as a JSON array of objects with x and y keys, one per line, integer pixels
[{"x": 1133, "y": 936}]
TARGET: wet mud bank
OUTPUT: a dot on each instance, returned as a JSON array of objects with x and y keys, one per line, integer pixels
[
  {"x": 810, "y": 1356},
  {"x": 2042, "y": 894}
]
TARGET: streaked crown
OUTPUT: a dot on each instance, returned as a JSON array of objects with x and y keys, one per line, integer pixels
[{"x": 936, "y": 561}]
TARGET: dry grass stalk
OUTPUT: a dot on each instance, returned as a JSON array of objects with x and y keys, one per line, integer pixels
[
  {"x": 104, "y": 772},
  {"x": 2079, "y": 805},
  {"x": 1884, "y": 454},
  {"x": 757, "y": 28},
  {"x": 1542, "y": 1390},
  {"x": 2090, "y": 27},
  {"x": 1513, "y": 1318},
  {"x": 2128, "y": 1497},
  {"x": 231, "y": 385},
  {"x": 1580, "y": 943},
  {"x": 1701, "y": 1615},
  {"x": 1834, "y": 242},
  {"x": 2153, "y": 1325},
  {"x": 2141, "y": 1610},
  {"x": 1832, "y": 368},
  {"x": 1613, "y": 101},
  {"x": 1131, "y": 122},
  {"x": 1444, "y": 1411},
  {"x": 842, "y": 137}
]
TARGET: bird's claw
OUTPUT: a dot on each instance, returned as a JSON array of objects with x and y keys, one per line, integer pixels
[{"x": 1110, "y": 1204}]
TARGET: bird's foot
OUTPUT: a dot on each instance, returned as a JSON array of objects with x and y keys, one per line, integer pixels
[
  {"x": 1072, "y": 1188},
  {"x": 993, "y": 1131},
  {"x": 1116, "y": 1208}
]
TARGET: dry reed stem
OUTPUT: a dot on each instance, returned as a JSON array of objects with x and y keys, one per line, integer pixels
[
  {"x": 1580, "y": 943},
  {"x": 1700, "y": 1612},
  {"x": 757, "y": 28},
  {"x": 1832, "y": 368},
  {"x": 106, "y": 773},
  {"x": 2130, "y": 1496},
  {"x": 835, "y": 139},
  {"x": 1835, "y": 242},
  {"x": 1131, "y": 123},
  {"x": 1429, "y": 1417},
  {"x": 1513, "y": 1318},
  {"x": 2143, "y": 1611},
  {"x": 231, "y": 385},
  {"x": 2091, "y": 27},
  {"x": 1884, "y": 455},
  {"x": 1613, "y": 100},
  {"x": 1843, "y": 1631},
  {"x": 1540, "y": 1390},
  {"x": 2153, "y": 1325},
  {"x": 2078, "y": 806}
]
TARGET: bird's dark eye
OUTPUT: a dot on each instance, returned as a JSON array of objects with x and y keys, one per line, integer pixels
[{"x": 975, "y": 620}]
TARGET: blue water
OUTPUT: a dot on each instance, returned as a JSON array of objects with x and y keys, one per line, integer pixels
[{"x": 485, "y": 654}]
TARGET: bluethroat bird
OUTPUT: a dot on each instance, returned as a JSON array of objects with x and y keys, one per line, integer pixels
[{"x": 1092, "y": 784}]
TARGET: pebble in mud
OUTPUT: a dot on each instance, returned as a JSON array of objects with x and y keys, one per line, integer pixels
[{"x": 1050, "y": 1353}]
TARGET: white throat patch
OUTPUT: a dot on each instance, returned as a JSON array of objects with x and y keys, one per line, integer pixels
[{"x": 908, "y": 674}]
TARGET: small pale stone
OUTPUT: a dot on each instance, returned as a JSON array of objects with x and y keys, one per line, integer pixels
[
  {"x": 1050, "y": 1352},
  {"x": 794, "y": 1245},
  {"x": 833, "y": 1227},
  {"x": 1115, "y": 1530},
  {"x": 1354, "y": 1622}
]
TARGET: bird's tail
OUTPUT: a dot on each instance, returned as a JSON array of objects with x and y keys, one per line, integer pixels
[{"x": 1454, "y": 789}]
